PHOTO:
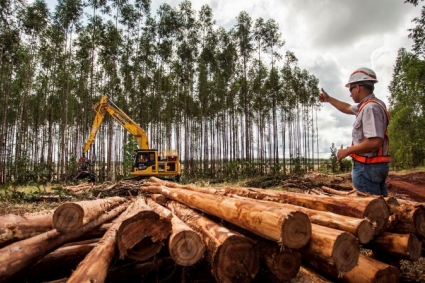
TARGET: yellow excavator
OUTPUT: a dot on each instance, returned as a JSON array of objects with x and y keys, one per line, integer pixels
[{"x": 147, "y": 162}]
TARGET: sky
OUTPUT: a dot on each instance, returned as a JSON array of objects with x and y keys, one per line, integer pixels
[{"x": 330, "y": 38}]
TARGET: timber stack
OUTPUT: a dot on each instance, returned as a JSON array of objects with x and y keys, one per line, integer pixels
[{"x": 219, "y": 234}]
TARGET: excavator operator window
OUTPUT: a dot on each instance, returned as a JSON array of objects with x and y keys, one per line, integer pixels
[{"x": 143, "y": 158}]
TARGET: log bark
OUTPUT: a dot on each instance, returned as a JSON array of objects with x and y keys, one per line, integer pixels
[
  {"x": 184, "y": 244},
  {"x": 366, "y": 270},
  {"x": 375, "y": 209},
  {"x": 363, "y": 229},
  {"x": 232, "y": 256},
  {"x": 307, "y": 275},
  {"x": 18, "y": 227},
  {"x": 73, "y": 215},
  {"x": 283, "y": 223},
  {"x": 402, "y": 246},
  {"x": 283, "y": 264},
  {"x": 19, "y": 255},
  {"x": 337, "y": 248},
  {"x": 142, "y": 235}
]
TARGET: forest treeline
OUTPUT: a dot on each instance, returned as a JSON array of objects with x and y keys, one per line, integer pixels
[{"x": 226, "y": 99}]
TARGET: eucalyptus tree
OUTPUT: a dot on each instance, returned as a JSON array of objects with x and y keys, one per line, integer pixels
[
  {"x": 34, "y": 21},
  {"x": 272, "y": 43},
  {"x": 187, "y": 52},
  {"x": 261, "y": 106},
  {"x": 243, "y": 35},
  {"x": 206, "y": 68},
  {"x": 67, "y": 17},
  {"x": 257, "y": 79},
  {"x": 94, "y": 22},
  {"x": 225, "y": 93},
  {"x": 407, "y": 106},
  {"x": 287, "y": 102},
  {"x": 108, "y": 54},
  {"x": 10, "y": 44}
]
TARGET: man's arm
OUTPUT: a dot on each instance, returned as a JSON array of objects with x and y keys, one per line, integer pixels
[
  {"x": 341, "y": 106},
  {"x": 367, "y": 145}
]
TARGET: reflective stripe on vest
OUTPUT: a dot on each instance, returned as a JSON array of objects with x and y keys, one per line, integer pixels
[{"x": 379, "y": 158}]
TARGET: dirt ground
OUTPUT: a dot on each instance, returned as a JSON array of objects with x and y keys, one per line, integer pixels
[{"x": 409, "y": 186}]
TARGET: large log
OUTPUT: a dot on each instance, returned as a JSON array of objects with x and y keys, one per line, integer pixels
[
  {"x": 57, "y": 264},
  {"x": 142, "y": 235},
  {"x": 337, "y": 248},
  {"x": 402, "y": 246},
  {"x": 373, "y": 208},
  {"x": 184, "y": 244},
  {"x": 407, "y": 218},
  {"x": 232, "y": 256},
  {"x": 283, "y": 223},
  {"x": 73, "y": 215},
  {"x": 91, "y": 269},
  {"x": 362, "y": 229},
  {"x": 16, "y": 256},
  {"x": 366, "y": 270},
  {"x": 18, "y": 227},
  {"x": 283, "y": 263}
]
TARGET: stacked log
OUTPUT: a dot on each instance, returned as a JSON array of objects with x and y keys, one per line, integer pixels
[
  {"x": 238, "y": 233},
  {"x": 18, "y": 227}
]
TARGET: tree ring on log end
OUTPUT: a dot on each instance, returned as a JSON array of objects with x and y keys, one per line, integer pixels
[
  {"x": 345, "y": 252},
  {"x": 188, "y": 248},
  {"x": 379, "y": 212},
  {"x": 296, "y": 230},
  {"x": 68, "y": 217},
  {"x": 237, "y": 260},
  {"x": 365, "y": 231},
  {"x": 286, "y": 265}
]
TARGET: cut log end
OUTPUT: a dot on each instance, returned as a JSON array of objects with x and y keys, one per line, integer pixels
[
  {"x": 365, "y": 232},
  {"x": 414, "y": 248},
  {"x": 144, "y": 249},
  {"x": 296, "y": 230},
  {"x": 186, "y": 247},
  {"x": 379, "y": 212},
  {"x": 236, "y": 261},
  {"x": 419, "y": 221},
  {"x": 285, "y": 265},
  {"x": 345, "y": 252},
  {"x": 68, "y": 217}
]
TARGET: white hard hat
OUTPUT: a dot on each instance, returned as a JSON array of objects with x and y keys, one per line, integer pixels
[{"x": 362, "y": 75}]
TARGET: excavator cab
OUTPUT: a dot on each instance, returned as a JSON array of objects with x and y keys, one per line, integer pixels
[{"x": 151, "y": 162}]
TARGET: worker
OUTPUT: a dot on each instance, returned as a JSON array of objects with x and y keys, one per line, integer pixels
[{"x": 369, "y": 148}]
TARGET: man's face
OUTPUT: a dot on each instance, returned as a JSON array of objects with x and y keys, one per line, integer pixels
[{"x": 355, "y": 92}]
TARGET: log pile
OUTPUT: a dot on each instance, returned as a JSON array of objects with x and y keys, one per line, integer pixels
[{"x": 227, "y": 234}]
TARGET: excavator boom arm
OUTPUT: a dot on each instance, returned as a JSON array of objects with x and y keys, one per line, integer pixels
[{"x": 105, "y": 105}]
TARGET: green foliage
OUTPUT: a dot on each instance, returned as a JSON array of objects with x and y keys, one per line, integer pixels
[
  {"x": 334, "y": 158},
  {"x": 407, "y": 111},
  {"x": 129, "y": 149}
]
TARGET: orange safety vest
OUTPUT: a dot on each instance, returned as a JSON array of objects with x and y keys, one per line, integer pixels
[{"x": 379, "y": 158}]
